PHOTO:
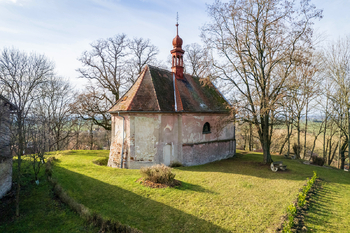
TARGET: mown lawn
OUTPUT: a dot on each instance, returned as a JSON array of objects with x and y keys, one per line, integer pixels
[
  {"x": 40, "y": 210},
  {"x": 238, "y": 194},
  {"x": 330, "y": 209}
]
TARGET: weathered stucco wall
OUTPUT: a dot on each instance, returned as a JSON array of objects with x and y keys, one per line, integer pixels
[
  {"x": 168, "y": 138},
  {"x": 144, "y": 140},
  {"x": 168, "y": 149},
  {"x": 117, "y": 140},
  {"x": 4, "y": 132},
  {"x": 202, "y": 148},
  {"x": 5, "y": 153},
  {"x": 207, "y": 152},
  {"x": 193, "y": 128},
  {"x": 5, "y": 176}
]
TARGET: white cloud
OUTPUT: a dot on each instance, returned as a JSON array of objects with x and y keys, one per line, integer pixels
[
  {"x": 9, "y": 30},
  {"x": 15, "y": 2},
  {"x": 8, "y": 1}
]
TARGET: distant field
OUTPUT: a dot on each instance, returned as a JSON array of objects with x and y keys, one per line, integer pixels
[
  {"x": 237, "y": 194},
  {"x": 313, "y": 128}
]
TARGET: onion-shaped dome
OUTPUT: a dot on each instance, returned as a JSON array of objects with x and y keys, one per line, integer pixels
[{"x": 177, "y": 42}]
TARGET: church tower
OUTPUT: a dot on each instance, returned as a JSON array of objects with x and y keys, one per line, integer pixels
[{"x": 177, "y": 56}]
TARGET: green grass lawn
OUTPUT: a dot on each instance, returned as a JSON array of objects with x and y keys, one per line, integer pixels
[
  {"x": 330, "y": 209},
  {"x": 237, "y": 194},
  {"x": 40, "y": 210}
]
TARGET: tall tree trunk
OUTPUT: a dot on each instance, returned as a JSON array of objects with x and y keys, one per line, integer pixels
[
  {"x": 306, "y": 111},
  {"x": 298, "y": 131},
  {"x": 349, "y": 134},
  {"x": 288, "y": 132},
  {"x": 287, "y": 138},
  {"x": 250, "y": 136},
  {"x": 342, "y": 159},
  {"x": 77, "y": 141},
  {"x": 313, "y": 147},
  {"x": 58, "y": 140},
  {"x": 325, "y": 131},
  {"x": 245, "y": 141},
  {"x": 19, "y": 160},
  {"x": 342, "y": 154},
  {"x": 265, "y": 140},
  {"x": 91, "y": 137},
  {"x": 330, "y": 159}
]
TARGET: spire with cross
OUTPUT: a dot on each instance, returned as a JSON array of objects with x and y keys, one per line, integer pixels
[
  {"x": 177, "y": 53},
  {"x": 177, "y": 23}
]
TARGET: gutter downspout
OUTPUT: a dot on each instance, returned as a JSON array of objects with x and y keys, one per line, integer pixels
[
  {"x": 174, "y": 80},
  {"x": 122, "y": 154}
]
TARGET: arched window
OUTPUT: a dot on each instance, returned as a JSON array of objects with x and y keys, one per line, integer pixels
[{"x": 206, "y": 128}]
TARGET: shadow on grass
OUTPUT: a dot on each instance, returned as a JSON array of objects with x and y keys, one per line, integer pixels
[
  {"x": 145, "y": 214},
  {"x": 320, "y": 211},
  {"x": 193, "y": 187},
  {"x": 40, "y": 211},
  {"x": 251, "y": 165}
]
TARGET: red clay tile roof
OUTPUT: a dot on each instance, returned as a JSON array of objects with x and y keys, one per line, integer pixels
[{"x": 154, "y": 91}]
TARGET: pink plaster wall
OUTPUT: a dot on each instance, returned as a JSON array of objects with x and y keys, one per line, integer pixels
[
  {"x": 117, "y": 141},
  {"x": 167, "y": 138}
]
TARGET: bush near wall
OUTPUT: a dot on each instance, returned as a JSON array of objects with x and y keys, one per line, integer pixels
[{"x": 158, "y": 173}]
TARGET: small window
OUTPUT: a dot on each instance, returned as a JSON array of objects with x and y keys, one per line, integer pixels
[{"x": 206, "y": 128}]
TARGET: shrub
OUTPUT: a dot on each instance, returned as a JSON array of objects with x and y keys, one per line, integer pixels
[
  {"x": 101, "y": 161},
  {"x": 301, "y": 201},
  {"x": 158, "y": 174},
  {"x": 317, "y": 160},
  {"x": 297, "y": 150},
  {"x": 176, "y": 164}
]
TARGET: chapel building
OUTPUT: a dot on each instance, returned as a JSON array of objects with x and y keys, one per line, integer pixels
[
  {"x": 5, "y": 153},
  {"x": 170, "y": 117}
]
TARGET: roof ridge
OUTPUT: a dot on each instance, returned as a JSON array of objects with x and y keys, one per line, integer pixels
[
  {"x": 154, "y": 89},
  {"x": 162, "y": 69},
  {"x": 158, "y": 68},
  {"x": 143, "y": 76},
  {"x": 177, "y": 94},
  {"x": 121, "y": 98}
]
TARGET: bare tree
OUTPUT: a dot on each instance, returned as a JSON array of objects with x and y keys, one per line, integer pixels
[
  {"x": 337, "y": 58},
  {"x": 21, "y": 75},
  {"x": 259, "y": 44},
  {"x": 53, "y": 108},
  {"x": 111, "y": 66},
  {"x": 104, "y": 63},
  {"x": 142, "y": 52},
  {"x": 303, "y": 87},
  {"x": 36, "y": 141},
  {"x": 197, "y": 60},
  {"x": 92, "y": 106}
]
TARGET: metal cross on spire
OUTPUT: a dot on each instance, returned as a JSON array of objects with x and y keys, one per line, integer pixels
[{"x": 177, "y": 23}]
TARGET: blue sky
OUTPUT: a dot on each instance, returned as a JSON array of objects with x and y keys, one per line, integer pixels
[{"x": 63, "y": 29}]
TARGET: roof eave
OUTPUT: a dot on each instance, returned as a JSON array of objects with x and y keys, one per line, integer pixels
[
  {"x": 12, "y": 106},
  {"x": 204, "y": 112}
]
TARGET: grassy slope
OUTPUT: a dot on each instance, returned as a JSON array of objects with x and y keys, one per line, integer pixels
[
  {"x": 330, "y": 210},
  {"x": 40, "y": 212},
  {"x": 238, "y": 194}
]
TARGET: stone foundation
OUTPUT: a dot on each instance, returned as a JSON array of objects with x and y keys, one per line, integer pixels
[{"x": 206, "y": 152}]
